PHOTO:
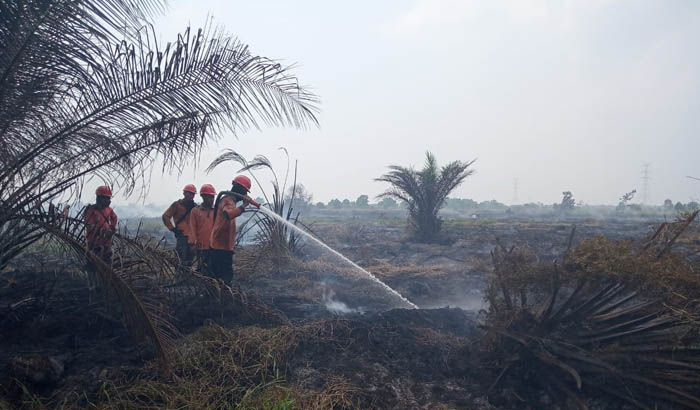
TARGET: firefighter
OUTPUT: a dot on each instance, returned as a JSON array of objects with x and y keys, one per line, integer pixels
[
  {"x": 179, "y": 212},
  {"x": 101, "y": 224},
  {"x": 201, "y": 223},
  {"x": 223, "y": 234}
]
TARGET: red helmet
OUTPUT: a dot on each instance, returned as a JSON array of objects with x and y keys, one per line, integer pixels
[
  {"x": 103, "y": 191},
  {"x": 244, "y": 181},
  {"x": 190, "y": 188},
  {"x": 207, "y": 189}
]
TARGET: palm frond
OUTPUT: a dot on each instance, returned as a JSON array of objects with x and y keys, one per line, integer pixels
[
  {"x": 44, "y": 42},
  {"x": 227, "y": 155},
  {"x": 144, "y": 316},
  {"x": 215, "y": 82},
  {"x": 576, "y": 334}
]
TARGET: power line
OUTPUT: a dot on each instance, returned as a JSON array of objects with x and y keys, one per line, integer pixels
[{"x": 515, "y": 191}]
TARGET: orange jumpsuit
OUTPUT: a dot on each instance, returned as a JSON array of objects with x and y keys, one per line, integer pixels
[
  {"x": 223, "y": 239},
  {"x": 183, "y": 235},
  {"x": 175, "y": 212},
  {"x": 223, "y": 234},
  {"x": 101, "y": 223},
  {"x": 201, "y": 224}
]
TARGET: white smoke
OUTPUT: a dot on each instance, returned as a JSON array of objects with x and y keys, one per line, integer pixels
[{"x": 334, "y": 305}]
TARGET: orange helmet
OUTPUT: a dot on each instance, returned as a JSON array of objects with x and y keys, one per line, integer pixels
[
  {"x": 190, "y": 188},
  {"x": 243, "y": 181},
  {"x": 103, "y": 191},
  {"x": 207, "y": 189}
]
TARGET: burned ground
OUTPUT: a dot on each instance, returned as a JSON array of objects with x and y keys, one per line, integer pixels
[
  {"x": 453, "y": 273},
  {"x": 345, "y": 343}
]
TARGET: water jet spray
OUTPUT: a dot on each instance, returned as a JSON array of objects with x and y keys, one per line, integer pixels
[{"x": 319, "y": 242}]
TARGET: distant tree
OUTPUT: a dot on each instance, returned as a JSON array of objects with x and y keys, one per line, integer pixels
[
  {"x": 302, "y": 198},
  {"x": 679, "y": 207},
  {"x": 460, "y": 204},
  {"x": 624, "y": 199},
  {"x": 320, "y": 205},
  {"x": 335, "y": 203},
  {"x": 362, "y": 201},
  {"x": 346, "y": 203},
  {"x": 300, "y": 193},
  {"x": 492, "y": 204},
  {"x": 567, "y": 202},
  {"x": 387, "y": 203},
  {"x": 692, "y": 206},
  {"x": 668, "y": 204},
  {"x": 425, "y": 191}
]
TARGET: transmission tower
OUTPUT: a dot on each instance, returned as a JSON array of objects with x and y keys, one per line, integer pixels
[
  {"x": 645, "y": 182},
  {"x": 515, "y": 192}
]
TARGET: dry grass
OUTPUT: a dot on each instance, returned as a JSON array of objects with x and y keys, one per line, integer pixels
[{"x": 219, "y": 368}]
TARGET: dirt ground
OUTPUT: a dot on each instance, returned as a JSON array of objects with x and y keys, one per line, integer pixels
[{"x": 61, "y": 346}]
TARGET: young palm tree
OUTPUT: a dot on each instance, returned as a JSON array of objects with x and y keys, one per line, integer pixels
[
  {"x": 425, "y": 191},
  {"x": 86, "y": 92}
]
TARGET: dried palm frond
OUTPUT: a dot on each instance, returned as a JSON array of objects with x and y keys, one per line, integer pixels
[
  {"x": 129, "y": 279},
  {"x": 594, "y": 327}
]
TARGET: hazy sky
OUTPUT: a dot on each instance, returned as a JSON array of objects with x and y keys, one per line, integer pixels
[{"x": 562, "y": 95}]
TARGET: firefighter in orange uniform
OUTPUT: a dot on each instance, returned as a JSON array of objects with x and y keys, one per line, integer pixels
[
  {"x": 101, "y": 221},
  {"x": 101, "y": 224},
  {"x": 223, "y": 234},
  {"x": 179, "y": 211},
  {"x": 201, "y": 224}
]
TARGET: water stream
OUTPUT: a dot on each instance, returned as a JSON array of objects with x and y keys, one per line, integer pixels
[{"x": 338, "y": 254}]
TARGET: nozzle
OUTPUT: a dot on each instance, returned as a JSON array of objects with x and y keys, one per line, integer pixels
[
  {"x": 253, "y": 202},
  {"x": 241, "y": 196}
]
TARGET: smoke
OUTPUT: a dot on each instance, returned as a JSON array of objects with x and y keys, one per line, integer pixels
[{"x": 334, "y": 305}]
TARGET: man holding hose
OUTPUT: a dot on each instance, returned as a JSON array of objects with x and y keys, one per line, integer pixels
[{"x": 223, "y": 234}]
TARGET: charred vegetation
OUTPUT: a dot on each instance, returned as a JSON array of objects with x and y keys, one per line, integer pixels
[
  {"x": 610, "y": 322},
  {"x": 627, "y": 333}
]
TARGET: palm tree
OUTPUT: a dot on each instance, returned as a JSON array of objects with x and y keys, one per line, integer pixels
[
  {"x": 86, "y": 92},
  {"x": 425, "y": 191}
]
